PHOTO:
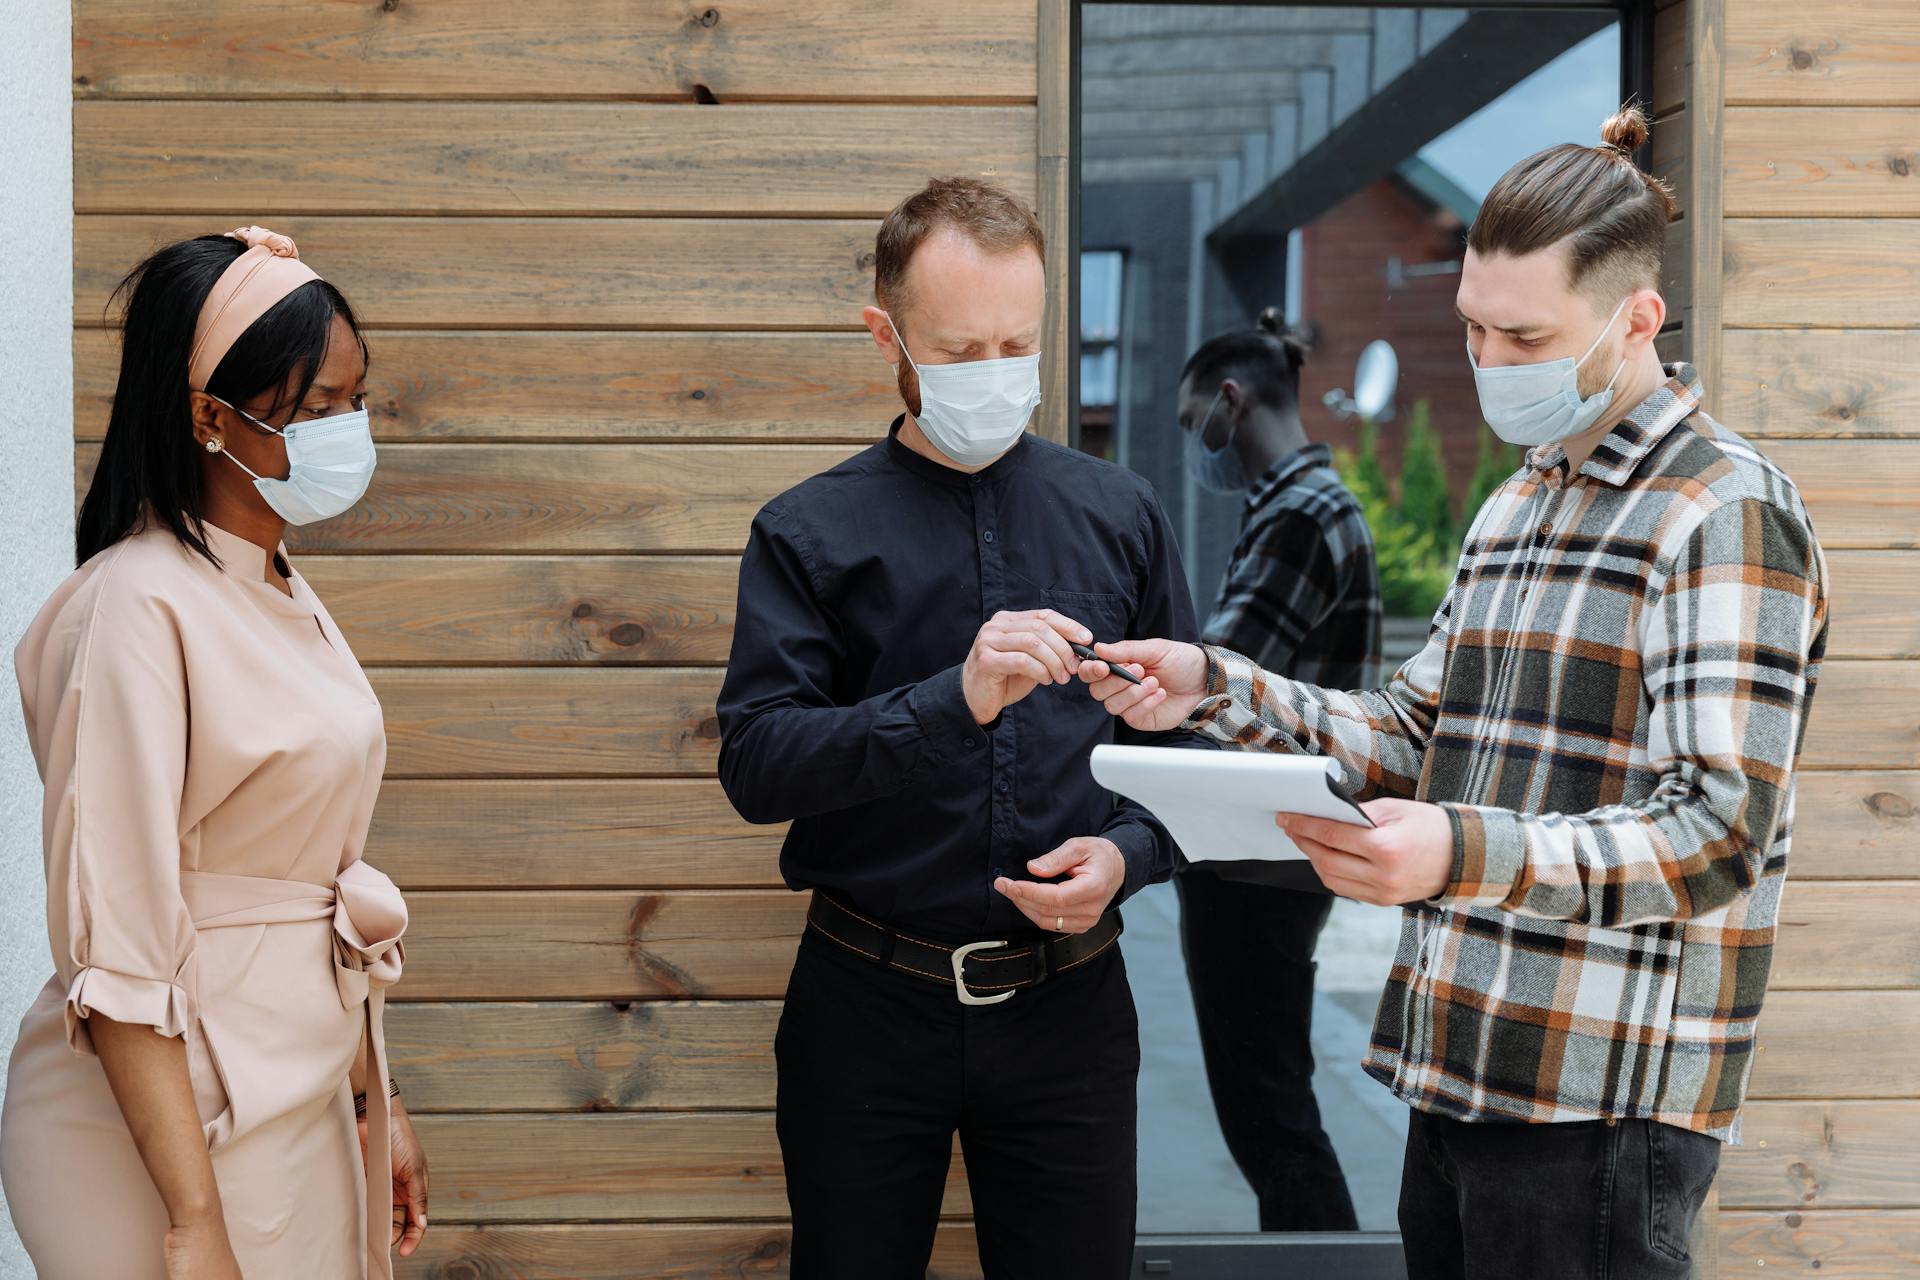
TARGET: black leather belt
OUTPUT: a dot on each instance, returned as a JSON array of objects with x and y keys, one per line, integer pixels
[{"x": 998, "y": 967}]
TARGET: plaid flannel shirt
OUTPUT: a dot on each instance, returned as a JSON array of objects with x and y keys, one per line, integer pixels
[
  {"x": 1302, "y": 591},
  {"x": 1608, "y": 707}
]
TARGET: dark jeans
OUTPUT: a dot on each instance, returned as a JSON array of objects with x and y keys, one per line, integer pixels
[
  {"x": 879, "y": 1070},
  {"x": 1587, "y": 1201},
  {"x": 1249, "y": 952}
]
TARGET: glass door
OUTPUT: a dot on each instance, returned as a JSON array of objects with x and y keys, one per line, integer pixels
[{"x": 1322, "y": 161}]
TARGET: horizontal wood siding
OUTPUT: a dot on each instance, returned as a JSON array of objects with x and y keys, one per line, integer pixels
[
  {"x": 1821, "y": 366},
  {"x": 612, "y": 257}
]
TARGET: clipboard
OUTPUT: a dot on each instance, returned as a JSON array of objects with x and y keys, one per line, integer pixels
[{"x": 1220, "y": 805}]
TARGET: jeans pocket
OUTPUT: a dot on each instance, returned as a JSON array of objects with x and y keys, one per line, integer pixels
[{"x": 1680, "y": 1168}]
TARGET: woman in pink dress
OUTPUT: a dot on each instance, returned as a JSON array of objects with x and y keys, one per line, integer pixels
[{"x": 182, "y": 1099}]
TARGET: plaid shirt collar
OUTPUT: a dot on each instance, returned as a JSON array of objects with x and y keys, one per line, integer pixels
[
  {"x": 1285, "y": 470},
  {"x": 1618, "y": 456}
]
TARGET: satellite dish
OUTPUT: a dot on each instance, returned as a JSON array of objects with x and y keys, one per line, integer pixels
[{"x": 1375, "y": 379}]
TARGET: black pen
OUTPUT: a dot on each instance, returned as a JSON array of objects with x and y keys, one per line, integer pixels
[{"x": 1089, "y": 655}]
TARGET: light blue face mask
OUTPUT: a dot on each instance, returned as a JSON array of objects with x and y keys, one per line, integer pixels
[
  {"x": 330, "y": 461},
  {"x": 1535, "y": 404},
  {"x": 1220, "y": 470}
]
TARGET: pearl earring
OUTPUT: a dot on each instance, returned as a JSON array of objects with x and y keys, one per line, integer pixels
[{"x": 213, "y": 446}]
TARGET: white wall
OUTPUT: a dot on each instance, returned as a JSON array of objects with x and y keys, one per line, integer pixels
[{"x": 36, "y": 455}]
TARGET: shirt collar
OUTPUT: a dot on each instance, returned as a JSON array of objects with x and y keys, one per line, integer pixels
[
  {"x": 927, "y": 469},
  {"x": 1286, "y": 468},
  {"x": 243, "y": 559},
  {"x": 1618, "y": 456}
]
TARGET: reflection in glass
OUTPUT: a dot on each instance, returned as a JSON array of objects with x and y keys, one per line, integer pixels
[{"x": 1325, "y": 161}]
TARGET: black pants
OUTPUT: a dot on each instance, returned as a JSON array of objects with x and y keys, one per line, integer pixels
[
  {"x": 879, "y": 1070},
  {"x": 1587, "y": 1201},
  {"x": 1249, "y": 952}
]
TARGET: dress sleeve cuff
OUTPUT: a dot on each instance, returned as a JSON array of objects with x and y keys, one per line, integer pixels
[
  {"x": 940, "y": 705},
  {"x": 151, "y": 1002},
  {"x": 1136, "y": 842},
  {"x": 1489, "y": 856},
  {"x": 1224, "y": 711}
]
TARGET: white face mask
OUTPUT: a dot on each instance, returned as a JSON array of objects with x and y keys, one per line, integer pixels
[
  {"x": 329, "y": 465},
  {"x": 1536, "y": 404},
  {"x": 975, "y": 411}
]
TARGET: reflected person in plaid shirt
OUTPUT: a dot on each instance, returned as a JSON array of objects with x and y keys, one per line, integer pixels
[
  {"x": 1583, "y": 785},
  {"x": 1301, "y": 598}
]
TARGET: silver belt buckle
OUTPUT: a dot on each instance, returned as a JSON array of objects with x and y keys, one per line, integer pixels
[{"x": 959, "y": 975}]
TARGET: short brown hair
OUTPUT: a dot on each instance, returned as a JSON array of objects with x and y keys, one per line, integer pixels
[
  {"x": 989, "y": 216},
  {"x": 1612, "y": 213}
]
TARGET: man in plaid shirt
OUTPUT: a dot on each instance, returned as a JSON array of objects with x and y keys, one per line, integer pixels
[
  {"x": 1302, "y": 599},
  {"x": 1583, "y": 786}
]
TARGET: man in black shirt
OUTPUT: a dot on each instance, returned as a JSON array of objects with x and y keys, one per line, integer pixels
[{"x": 902, "y": 687}]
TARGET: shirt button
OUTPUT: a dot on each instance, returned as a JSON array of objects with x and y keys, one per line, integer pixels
[
  {"x": 988, "y": 535},
  {"x": 1546, "y": 528},
  {"x": 1003, "y": 786},
  {"x": 966, "y": 742}
]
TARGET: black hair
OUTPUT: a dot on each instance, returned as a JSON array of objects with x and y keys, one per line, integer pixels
[
  {"x": 149, "y": 465},
  {"x": 1265, "y": 360}
]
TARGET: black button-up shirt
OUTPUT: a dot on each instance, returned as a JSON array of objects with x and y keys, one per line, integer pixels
[{"x": 860, "y": 595}]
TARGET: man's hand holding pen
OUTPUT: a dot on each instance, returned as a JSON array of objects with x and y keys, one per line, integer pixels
[
  {"x": 1171, "y": 679},
  {"x": 1016, "y": 652}
]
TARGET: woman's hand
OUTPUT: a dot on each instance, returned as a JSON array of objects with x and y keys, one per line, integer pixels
[
  {"x": 201, "y": 1251},
  {"x": 1173, "y": 679},
  {"x": 409, "y": 1181}
]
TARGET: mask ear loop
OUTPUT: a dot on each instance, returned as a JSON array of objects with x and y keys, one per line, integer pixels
[
  {"x": 1602, "y": 337},
  {"x": 256, "y": 422},
  {"x": 1619, "y": 368},
  {"x": 1207, "y": 420},
  {"x": 899, "y": 340}
]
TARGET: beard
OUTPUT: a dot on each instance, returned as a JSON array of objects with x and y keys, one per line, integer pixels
[
  {"x": 1598, "y": 371},
  {"x": 909, "y": 388}
]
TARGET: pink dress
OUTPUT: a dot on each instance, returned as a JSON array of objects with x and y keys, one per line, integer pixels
[{"x": 211, "y": 752}]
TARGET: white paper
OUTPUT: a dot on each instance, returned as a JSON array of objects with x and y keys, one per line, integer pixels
[{"x": 1221, "y": 804}]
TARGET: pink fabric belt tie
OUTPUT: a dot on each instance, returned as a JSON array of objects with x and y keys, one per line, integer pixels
[{"x": 368, "y": 915}]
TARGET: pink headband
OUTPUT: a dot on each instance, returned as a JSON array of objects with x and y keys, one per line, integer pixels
[{"x": 268, "y": 271}]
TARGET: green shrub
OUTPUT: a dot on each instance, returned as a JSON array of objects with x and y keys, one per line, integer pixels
[
  {"x": 1414, "y": 535},
  {"x": 1498, "y": 460},
  {"x": 1424, "y": 501}
]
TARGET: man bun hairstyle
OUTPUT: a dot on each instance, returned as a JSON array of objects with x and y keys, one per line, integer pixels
[
  {"x": 990, "y": 216},
  {"x": 1265, "y": 359},
  {"x": 1611, "y": 213}
]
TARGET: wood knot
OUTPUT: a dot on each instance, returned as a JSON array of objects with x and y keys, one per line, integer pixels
[
  {"x": 710, "y": 18},
  {"x": 462, "y": 1270},
  {"x": 389, "y": 6},
  {"x": 583, "y": 610},
  {"x": 698, "y": 393},
  {"x": 866, "y": 261},
  {"x": 83, "y": 81},
  {"x": 1889, "y": 804},
  {"x": 1900, "y": 166},
  {"x": 628, "y": 634},
  {"x": 1793, "y": 1220},
  {"x": 621, "y": 1006},
  {"x": 769, "y": 1250},
  {"x": 1841, "y": 412},
  {"x": 1801, "y": 59},
  {"x": 704, "y": 96},
  {"x": 602, "y": 1104},
  {"x": 709, "y": 729}
]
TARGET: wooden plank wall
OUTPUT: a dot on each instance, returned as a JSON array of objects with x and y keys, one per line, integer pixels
[
  {"x": 612, "y": 254},
  {"x": 1817, "y": 356}
]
